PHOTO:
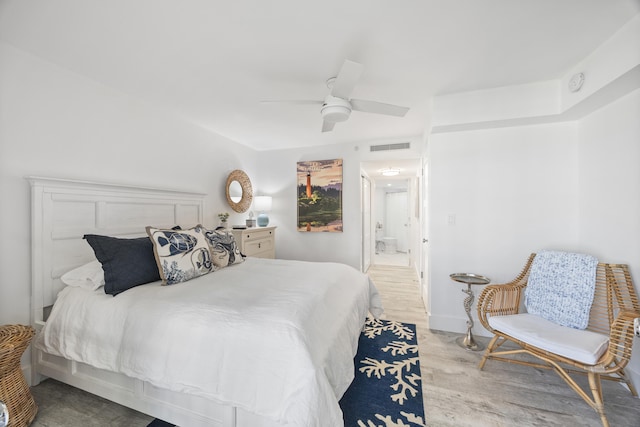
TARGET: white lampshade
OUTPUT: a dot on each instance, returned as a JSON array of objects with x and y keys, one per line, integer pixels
[{"x": 262, "y": 203}]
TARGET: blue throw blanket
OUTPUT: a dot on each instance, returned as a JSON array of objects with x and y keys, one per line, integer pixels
[{"x": 561, "y": 287}]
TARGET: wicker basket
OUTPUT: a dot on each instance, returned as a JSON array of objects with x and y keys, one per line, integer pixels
[{"x": 14, "y": 390}]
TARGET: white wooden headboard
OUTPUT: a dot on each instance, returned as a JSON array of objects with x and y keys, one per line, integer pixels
[{"x": 62, "y": 211}]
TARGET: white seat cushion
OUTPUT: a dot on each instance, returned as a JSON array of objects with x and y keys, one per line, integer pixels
[{"x": 576, "y": 344}]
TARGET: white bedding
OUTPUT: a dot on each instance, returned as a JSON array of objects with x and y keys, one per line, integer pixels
[{"x": 274, "y": 337}]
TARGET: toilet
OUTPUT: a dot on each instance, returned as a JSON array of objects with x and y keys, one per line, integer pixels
[{"x": 390, "y": 245}]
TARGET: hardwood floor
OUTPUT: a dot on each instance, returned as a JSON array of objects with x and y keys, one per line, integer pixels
[{"x": 457, "y": 394}]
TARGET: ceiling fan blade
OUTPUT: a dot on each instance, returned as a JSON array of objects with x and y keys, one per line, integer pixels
[
  {"x": 346, "y": 80},
  {"x": 378, "y": 107},
  {"x": 327, "y": 126},
  {"x": 292, "y": 101}
]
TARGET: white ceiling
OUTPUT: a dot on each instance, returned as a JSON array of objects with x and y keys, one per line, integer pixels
[{"x": 212, "y": 61}]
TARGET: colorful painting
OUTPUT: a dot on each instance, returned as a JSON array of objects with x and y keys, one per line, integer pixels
[{"x": 320, "y": 195}]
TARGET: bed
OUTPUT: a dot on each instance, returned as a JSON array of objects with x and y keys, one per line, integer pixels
[{"x": 258, "y": 343}]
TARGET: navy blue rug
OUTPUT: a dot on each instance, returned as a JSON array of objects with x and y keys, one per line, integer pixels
[{"x": 387, "y": 389}]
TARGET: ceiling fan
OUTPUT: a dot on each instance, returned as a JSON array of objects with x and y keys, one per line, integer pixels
[{"x": 337, "y": 106}]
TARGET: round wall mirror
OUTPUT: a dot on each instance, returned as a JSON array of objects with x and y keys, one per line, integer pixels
[
  {"x": 239, "y": 191},
  {"x": 235, "y": 191}
]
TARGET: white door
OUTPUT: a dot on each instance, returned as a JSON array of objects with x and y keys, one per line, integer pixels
[
  {"x": 424, "y": 258},
  {"x": 365, "y": 192},
  {"x": 397, "y": 219}
]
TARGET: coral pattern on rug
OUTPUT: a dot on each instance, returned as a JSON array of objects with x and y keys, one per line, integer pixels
[{"x": 387, "y": 389}]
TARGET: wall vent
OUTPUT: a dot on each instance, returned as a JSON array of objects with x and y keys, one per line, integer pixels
[{"x": 388, "y": 147}]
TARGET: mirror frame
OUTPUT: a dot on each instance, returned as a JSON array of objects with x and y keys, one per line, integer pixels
[{"x": 247, "y": 191}]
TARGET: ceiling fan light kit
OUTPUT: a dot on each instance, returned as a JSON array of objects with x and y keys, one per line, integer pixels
[{"x": 335, "y": 109}]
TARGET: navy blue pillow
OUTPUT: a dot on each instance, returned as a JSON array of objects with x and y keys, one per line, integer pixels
[{"x": 126, "y": 262}]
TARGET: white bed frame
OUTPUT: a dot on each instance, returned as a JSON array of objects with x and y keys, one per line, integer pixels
[{"x": 62, "y": 212}]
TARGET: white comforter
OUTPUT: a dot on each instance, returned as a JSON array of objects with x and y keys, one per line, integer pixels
[{"x": 274, "y": 337}]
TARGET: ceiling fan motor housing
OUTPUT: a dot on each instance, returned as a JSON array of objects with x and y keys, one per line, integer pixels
[{"x": 335, "y": 109}]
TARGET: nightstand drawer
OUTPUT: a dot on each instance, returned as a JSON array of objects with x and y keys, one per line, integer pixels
[
  {"x": 256, "y": 242},
  {"x": 259, "y": 246},
  {"x": 249, "y": 235}
]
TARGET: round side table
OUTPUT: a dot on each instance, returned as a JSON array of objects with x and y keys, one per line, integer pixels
[
  {"x": 467, "y": 341},
  {"x": 14, "y": 390}
]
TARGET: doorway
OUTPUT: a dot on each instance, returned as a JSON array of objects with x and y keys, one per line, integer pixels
[
  {"x": 392, "y": 224},
  {"x": 395, "y": 214},
  {"x": 365, "y": 205}
]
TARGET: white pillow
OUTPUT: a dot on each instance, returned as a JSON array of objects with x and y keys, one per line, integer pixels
[{"x": 89, "y": 276}]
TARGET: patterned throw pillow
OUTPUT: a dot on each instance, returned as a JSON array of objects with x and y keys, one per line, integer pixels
[
  {"x": 181, "y": 255},
  {"x": 224, "y": 250}
]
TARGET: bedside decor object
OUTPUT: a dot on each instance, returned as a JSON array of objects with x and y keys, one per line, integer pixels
[
  {"x": 250, "y": 221},
  {"x": 223, "y": 217},
  {"x": 320, "y": 195},
  {"x": 239, "y": 191},
  {"x": 14, "y": 390},
  {"x": 263, "y": 205}
]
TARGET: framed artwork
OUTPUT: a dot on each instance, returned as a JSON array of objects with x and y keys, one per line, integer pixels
[{"x": 320, "y": 196}]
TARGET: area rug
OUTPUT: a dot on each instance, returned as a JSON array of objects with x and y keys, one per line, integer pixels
[{"x": 387, "y": 389}]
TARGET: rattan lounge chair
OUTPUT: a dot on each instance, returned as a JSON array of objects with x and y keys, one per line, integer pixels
[{"x": 612, "y": 314}]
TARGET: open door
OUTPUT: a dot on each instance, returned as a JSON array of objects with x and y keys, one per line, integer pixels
[
  {"x": 365, "y": 192},
  {"x": 424, "y": 223}
]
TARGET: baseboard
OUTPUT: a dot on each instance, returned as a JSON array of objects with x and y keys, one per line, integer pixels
[
  {"x": 634, "y": 376},
  {"x": 27, "y": 371}
]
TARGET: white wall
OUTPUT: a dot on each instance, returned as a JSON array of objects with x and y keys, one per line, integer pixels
[
  {"x": 610, "y": 190},
  {"x": 56, "y": 123},
  {"x": 609, "y": 176},
  {"x": 531, "y": 100},
  {"x": 277, "y": 177},
  {"x": 510, "y": 192}
]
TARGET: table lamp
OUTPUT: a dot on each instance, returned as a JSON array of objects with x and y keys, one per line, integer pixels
[{"x": 262, "y": 204}]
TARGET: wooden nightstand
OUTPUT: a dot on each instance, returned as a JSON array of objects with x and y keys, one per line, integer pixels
[{"x": 259, "y": 242}]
